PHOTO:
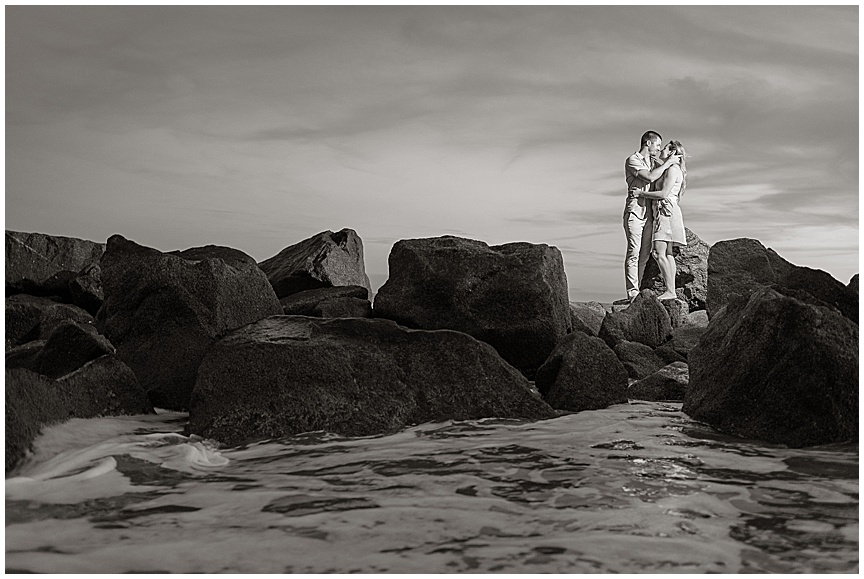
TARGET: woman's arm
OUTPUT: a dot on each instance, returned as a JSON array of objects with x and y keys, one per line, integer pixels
[
  {"x": 673, "y": 175},
  {"x": 656, "y": 172}
]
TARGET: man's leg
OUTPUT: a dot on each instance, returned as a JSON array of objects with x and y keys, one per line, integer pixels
[
  {"x": 645, "y": 246},
  {"x": 633, "y": 228}
]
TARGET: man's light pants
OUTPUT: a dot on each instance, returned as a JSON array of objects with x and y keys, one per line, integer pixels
[{"x": 639, "y": 233}]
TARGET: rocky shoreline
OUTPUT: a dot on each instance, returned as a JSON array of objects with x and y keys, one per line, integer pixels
[{"x": 754, "y": 345}]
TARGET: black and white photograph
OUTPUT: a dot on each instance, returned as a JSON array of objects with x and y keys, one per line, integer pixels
[{"x": 432, "y": 289}]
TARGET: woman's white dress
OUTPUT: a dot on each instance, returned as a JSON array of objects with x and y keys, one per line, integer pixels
[{"x": 668, "y": 220}]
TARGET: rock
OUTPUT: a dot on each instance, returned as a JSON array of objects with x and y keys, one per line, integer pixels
[
  {"x": 67, "y": 348},
  {"x": 344, "y": 308},
  {"x": 698, "y": 318},
  {"x": 33, "y": 258},
  {"x": 853, "y": 283},
  {"x": 104, "y": 386},
  {"x": 356, "y": 377},
  {"x": 582, "y": 373},
  {"x": 645, "y": 321},
  {"x": 684, "y": 339},
  {"x": 691, "y": 273},
  {"x": 34, "y": 318},
  {"x": 668, "y": 354},
  {"x": 638, "y": 359},
  {"x": 677, "y": 310},
  {"x": 31, "y": 403},
  {"x": 511, "y": 296},
  {"x": 101, "y": 387},
  {"x": 162, "y": 311},
  {"x": 85, "y": 289},
  {"x": 668, "y": 383},
  {"x": 306, "y": 303},
  {"x": 738, "y": 267},
  {"x": 778, "y": 367},
  {"x": 324, "y": 260},
  {"x": 587, "y": 316}
]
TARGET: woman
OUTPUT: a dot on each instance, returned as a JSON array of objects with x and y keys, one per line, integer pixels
[{"x": 668, "y": 221}]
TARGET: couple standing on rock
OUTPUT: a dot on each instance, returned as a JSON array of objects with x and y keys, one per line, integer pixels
[{"x": 656, "y": 179}]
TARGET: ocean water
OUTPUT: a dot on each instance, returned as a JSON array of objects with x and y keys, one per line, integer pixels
[{"x": 633, "y": 488}]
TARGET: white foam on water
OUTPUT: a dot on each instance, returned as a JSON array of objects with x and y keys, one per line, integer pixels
[{"x": 623, "y": 490}]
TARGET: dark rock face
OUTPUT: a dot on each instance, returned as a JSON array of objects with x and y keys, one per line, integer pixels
[
  {"x": 85, "y": 289},
  {"x": 511, "y": 296},
  {"x": 645, "y": 321},
  {"x": 638, "y": 359},
  {"x": 587, "y": 317},
  {"x": 853, "y": 283},
  {"x": 691, "y": 273},
  {"x": 102, "y": 387},
  {"x": 738, "y": 267},
  {"x": 33, "y": 258},
  {"x": 163, "y": 311},
  {"x": 777, "y": 367},
  {"x": 582, "y": 373},
  {"x": 678, "y": 312},
  {"x": 344, "y": 308},
  {"x": 34, "y": 318},
  {"x": 668, "y": 383},
  {"x": 69, "y": 346},
  {"x": 310, "y": 302},
  {"x": 324, "y": 260},
  {"x": 290, "y": 374},
  {"x": 684, "y": 339}
]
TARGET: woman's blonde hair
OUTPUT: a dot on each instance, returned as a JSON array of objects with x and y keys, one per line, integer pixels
[{"x": 676, "y": 148}]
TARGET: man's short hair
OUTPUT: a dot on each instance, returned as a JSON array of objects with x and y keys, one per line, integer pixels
[{"x": 650, "y": 136}]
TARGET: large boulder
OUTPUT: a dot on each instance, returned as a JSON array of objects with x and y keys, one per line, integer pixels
[
  {"x": 162, "y": 311},
  {"x": 289, "y": 374},
  {"x": 777, "y": 366},
  {"x": 315, "y": 302},
  {"x": 691, "y": 273},
  {"x": 667, "y": 383},
  {"x": 683, "y": 339},
  {"x": 738, "y": 267},
  {"x": 587, "y": 316},
  {"x": 853, "y": 283},
  {"x": 638, "y": 359},
  {"x": 34, "y": 318},
  {"x": 324, "y": 260},
  {"x": 511, "y": 296},
  {"x": 582, "y": 373},
  {"x": 645, "y": 320},
  {"x": 33, "y": 258},
  {"x": 68, "y": 347},
  {"x": 101, "y": 387}
]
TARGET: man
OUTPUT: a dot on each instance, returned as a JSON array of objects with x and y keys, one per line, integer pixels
[{"x": 638, "y": 223}]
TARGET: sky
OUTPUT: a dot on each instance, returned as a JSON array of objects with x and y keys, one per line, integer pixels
[{"x": 258, "y": 127}]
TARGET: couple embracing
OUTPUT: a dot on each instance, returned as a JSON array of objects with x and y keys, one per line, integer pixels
[{"x": 656, "y": 179}]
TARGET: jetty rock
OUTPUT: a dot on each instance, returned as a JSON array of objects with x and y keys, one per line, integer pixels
[
  {"x": 777, "y": 366},
  {"x": 162, "y": 311},
  {"x": 31, "y": 318},
  {"x": 737, "y": 267},
  {"x": 65, "y": 268},
  {"x": 582, "y": 373},
  {"x": 646, "y": 321},
  {"x": 587, "y": 317},
  {"x": 323, "y": 260},
  {"x": 639, "y": 360},
  {"x": 691, "y": 273},
  {"x": 103, "y": 386},
  {"x": 350, "y": 301},
  {"x": 668, "y": 383},
  {"x": 512, "y": 296},
  {"x": 285, "y": 375},
  {"x": 69, "y": 346},
  {"x": 853, "y": 283}
]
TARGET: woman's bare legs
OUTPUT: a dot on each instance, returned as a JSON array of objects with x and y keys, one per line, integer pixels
[{"x": 663, "y": 256}]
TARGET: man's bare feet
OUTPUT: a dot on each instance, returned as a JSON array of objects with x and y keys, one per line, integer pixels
[{"x": 667, "y": 296}]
